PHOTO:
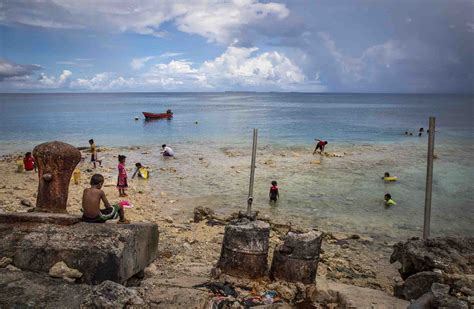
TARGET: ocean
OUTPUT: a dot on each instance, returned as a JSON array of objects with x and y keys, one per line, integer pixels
[{"x": 341, "y": 193}]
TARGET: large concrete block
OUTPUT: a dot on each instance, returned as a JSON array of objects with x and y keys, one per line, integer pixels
[{"x": 100, "y": 251}]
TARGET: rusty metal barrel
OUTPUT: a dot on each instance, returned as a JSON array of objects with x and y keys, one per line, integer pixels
[
  {"x": 245, "y": 249},
  {"x": 296, "y": 260},
  {"x": 56, "y": 162}
]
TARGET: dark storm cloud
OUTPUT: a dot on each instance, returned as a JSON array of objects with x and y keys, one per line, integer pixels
[
  {"x": 394, "y": 46},
  {"x": 12, "y": 70}
]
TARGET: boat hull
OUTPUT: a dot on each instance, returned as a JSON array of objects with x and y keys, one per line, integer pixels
[{"x": 157, "y": 116}]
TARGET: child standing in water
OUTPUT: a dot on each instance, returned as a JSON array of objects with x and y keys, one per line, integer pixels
[
  {"x": 320, "y": 145},
  {"x": 122, "y": 184},
  {"x": 273, "y": 194}
]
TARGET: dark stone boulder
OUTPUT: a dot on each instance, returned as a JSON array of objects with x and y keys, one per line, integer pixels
[
  {"x": 100, "y": 251},
  {"x": 442, "y": 299},
  {"x": 202, "y": 213},
  {"x": 426, "y": 301},
  {"x": 417, "y": 285},
  {"x": 449, "y": 254}
]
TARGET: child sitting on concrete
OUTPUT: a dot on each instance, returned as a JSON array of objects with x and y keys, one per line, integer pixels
[{"x": 91, "y": 204}]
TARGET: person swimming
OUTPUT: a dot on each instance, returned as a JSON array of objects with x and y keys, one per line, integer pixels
[{"x": 388, "y": 200}]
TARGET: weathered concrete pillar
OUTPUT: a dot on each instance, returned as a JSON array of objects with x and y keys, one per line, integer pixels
[
  {"x": 245, "y": 249},
  {"x": 296, "y": 260},
  {"x": 56, "y": 162}
]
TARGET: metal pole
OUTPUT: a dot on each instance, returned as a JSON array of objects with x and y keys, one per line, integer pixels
[
  {"x": 252, "y": 172},
  {"x": 429, "y": 179}
]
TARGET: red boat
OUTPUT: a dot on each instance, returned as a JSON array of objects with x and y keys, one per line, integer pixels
[{"x": 166, "y": 115}]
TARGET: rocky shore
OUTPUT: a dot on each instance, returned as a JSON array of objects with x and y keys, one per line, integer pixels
[{"x": 355, "y": 270}]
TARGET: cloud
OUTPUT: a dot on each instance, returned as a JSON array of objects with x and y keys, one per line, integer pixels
[
  {"x": 41, "y": 82},
  {"x": 79, "y": 62},
  {"x": 222, "y": 21},
  {"x": 217, "y": 21},
  {"x": 138, "y": 63},
  {"x": 12, "y": 70},
  {"x": 470, "y": 27},
  {"x": 367, "y": 66},
  {"x": 236, "y": 68}
]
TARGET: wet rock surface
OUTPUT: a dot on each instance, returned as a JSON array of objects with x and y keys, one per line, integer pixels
[
  {"x": 437, "y": 272},
  {"x": 453, "y": 255},
  {"x": 20, "y": 289},
  {"x": 110, "y": 294}
]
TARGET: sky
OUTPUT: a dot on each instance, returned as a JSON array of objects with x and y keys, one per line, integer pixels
[{"x": 403, "y": 46}]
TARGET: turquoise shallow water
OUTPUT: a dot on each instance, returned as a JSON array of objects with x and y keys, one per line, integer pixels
[
  {"x": 339, "y": 193},
  {"x": 283, "y": 118}
]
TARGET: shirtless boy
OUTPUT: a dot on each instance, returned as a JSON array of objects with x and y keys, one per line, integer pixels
[{"x": 91, "y": 204}]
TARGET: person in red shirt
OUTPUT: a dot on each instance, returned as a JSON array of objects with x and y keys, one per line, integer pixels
[
  {"x": 274, "y": 194},
  {"x": 320, "y": 145},
  {"x": 29, "y": 162}
]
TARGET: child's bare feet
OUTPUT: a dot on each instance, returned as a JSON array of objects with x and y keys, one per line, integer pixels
[
  {"x": 124, "y": 221},
  {"x": 124, "y": 195}
]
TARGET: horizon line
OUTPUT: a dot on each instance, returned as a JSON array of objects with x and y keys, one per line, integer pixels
[{"x": 232, "y": 91}]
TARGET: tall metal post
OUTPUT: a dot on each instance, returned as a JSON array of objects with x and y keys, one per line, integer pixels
[
  {"x": 429, "y": 179},
  {"x": 252, "y": 172}
]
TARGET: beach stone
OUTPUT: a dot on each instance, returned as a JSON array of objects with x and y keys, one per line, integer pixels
[
  {"x": 245, "y": 249},
  {"x": 56, "y": 161},
  {"x": 26, "y": 203},
  {"x": 424, "y": 302},
  {"x": 110, "y": 294},
  {"x": 296, "y": 260},
  {"x": 5, "y": 261},
  {"x": 202, "y": 213},
  {"x": 10, "y": 267},
  {"x": 61, "y": 270},
  {"x": 417, "y": 285},
  {"x": 449, "y": 254},
  {"x": 100, "y": 251}
]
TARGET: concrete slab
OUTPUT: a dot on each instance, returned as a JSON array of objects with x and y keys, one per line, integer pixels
[
  {"x": 39, "y": 217},
  {"x": 350, "y": 296},
  {"x": 100, "y": 251}
]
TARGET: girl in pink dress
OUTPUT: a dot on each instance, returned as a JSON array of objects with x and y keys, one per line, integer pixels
[{"x": 122, "y": 176}]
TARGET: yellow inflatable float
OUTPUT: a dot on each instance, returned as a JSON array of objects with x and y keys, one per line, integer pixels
[
  {"x": 390, "y": 178},
  {"x": 143, "y": 172}
]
